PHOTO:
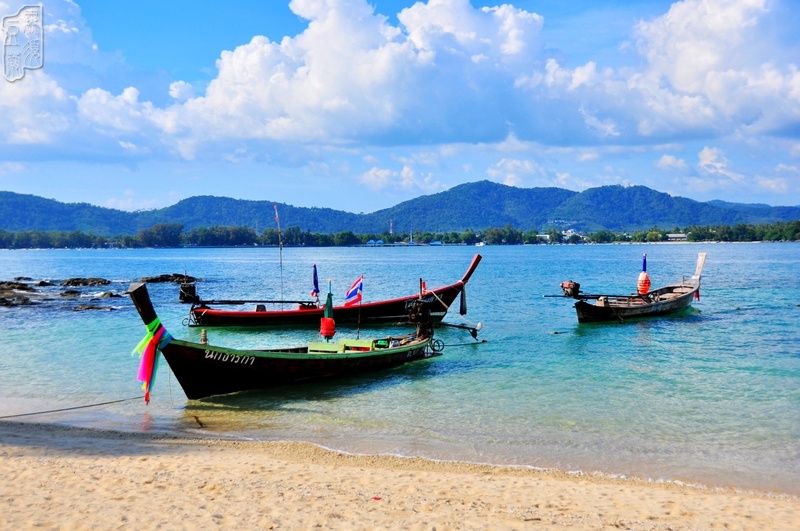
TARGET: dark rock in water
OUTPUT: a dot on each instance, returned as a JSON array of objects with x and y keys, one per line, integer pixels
[
  {"x": 43, "y": 283},
  {"x": 84, "y": 307},
  {"x": 70, "y": 293},
  {"x": 15, "y": 301},
  {"x": 10, "y": 296},
  {"x": 7, "y": 286},
  {"x": 108, "y": 295},
  {"x": 22, "y": 279},
  {"x": 85, "y": 282},
  {"x": 174, "y": 277}
]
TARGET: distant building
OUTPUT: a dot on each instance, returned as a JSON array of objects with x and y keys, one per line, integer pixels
[{"x": 676, "y": 237}]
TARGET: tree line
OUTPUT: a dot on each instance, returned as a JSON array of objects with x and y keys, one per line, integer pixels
[{"x": 173, "y": 235}]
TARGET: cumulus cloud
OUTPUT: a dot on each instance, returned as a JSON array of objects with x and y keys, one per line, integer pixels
[
  {"x": 376, "y": 178},
  {"x": 713, "y": 162},
  {"x": 407, "y": 178},
  {"x": 774, "y": 185},
  {"x": 450, "y": 72},
  {"x": 123, "y": 113},
  {"x": 513, "y": 172},
  {"x": 707, "y": 69},
  {"x": 34, "y": 112},
  {"x": 451, "y": 76},
  {"x": 671, "y": 162},
  {"x": 181, "y": 90},
  {"x": 351, "y": 76}
]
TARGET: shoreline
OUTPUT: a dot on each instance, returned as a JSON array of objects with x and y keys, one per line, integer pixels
[{"x": 67, "y": 477}]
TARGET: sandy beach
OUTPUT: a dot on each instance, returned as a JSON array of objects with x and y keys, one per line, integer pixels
[{"x": 54, "y": 477}]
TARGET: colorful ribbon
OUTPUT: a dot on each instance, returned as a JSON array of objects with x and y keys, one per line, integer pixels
[{"x": 156, "y": 339}]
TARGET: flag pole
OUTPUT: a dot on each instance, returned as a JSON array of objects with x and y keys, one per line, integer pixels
[
  {"x": 280, "y": 250},
  {"x": 358, "y": 329}
]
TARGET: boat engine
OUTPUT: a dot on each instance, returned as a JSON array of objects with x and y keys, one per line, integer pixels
[
  {"x": 188, "y": 293},
  {"x": 570, "y": 288},
  {"x": 419, "y": 314}
]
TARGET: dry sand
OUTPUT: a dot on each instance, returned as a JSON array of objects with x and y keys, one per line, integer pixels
[{"x": 55, "y": 477}]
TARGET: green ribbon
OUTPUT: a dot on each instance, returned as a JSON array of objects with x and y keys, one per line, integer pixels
[{"x": 151, "y": 330}]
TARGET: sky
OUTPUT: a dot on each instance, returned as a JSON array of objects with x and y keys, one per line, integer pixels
[{"x": 359, "y": 105}]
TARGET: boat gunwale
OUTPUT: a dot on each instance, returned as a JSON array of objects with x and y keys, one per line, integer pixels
[{"x": 299, "y": 352}]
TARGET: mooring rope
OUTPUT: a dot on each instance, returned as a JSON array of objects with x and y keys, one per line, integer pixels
[
  {"x": 71, "y": 408},
  {"x": 477, "y": 342}
]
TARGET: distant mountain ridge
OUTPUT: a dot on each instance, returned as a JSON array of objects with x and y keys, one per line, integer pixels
[{"x": 475, "y": 206}]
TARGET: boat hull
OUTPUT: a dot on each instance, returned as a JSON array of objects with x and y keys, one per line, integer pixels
[
  {"x": 438, "y": 302},
  {"x": 621, "y": 309},
  {"x": 207, "y": 370}
]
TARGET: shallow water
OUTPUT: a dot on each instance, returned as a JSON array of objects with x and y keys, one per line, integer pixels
[{"x": 711, "y": 396}]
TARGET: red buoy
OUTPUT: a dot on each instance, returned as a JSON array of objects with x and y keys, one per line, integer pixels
[{"x": 327, "y": 327}]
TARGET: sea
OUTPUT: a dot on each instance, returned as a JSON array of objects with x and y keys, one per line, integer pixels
[{"x": 707, "y": 397}]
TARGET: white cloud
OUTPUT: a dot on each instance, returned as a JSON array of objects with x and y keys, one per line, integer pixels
[
  {"x": 713, "y": 162},
  {"x": 130, "y": 202},
  {"x": 470, "y": 85},
  {"x": 583, "y": 75},
  {"x": 787, "y": 168},
  {"x": 181, "y": 91},
  {"x": 452, "y": 73},
  {"x": 351, "y": 76},
  {"x": 376, "y": 178},
  {"x": 35, "y": 110},
  {"x": 671, "y": 162},
  {"x": 709, "y": 66},
  {"x": 774, "y": 185},
  {"x": 123, "y": 113},
  {"x": 10, "y": 167},
  {"x": 407, "y": 178},
  {"x": 604, "y": 128},
  {"x": 513, "y": 172},
  {"x": 588, "y": 156}
]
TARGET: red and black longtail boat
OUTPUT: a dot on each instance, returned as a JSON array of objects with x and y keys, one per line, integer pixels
[{"x": 437, "y": 301}]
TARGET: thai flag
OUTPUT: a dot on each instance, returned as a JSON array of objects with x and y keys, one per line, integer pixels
[{"x": 353, "y": 295}]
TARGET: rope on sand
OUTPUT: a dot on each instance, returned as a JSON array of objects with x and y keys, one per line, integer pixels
[{"x": 71, "y": 408}]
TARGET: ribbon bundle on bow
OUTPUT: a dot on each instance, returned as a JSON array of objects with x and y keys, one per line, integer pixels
[{"x": 157, "y": 338}]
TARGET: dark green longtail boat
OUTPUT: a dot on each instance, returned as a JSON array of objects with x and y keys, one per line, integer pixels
[{"x": 205, "y": 370}]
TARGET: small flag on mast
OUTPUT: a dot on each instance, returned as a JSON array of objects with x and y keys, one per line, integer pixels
[
  {"x": 315, "y": 290},
  {"x": 353, "y": 295}
]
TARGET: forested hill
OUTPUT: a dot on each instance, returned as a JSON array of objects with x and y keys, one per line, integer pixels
[{"x": 474, "y": 206}]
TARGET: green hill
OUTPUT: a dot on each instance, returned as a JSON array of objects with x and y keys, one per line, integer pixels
[{"x": 476, "y": 206}]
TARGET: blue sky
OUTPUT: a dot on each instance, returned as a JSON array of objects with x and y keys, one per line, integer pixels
[{"x": 359, "y": 105}]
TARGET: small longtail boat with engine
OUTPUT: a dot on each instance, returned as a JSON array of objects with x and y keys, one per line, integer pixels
[
  {"x": 204, "y": 370},
  {"x": 308, "y": 313},
  {"x": 645, "y": 303}
]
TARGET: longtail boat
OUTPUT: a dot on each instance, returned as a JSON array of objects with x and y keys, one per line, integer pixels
[
  {"x": 204, "y": 370},
  {"x": 437, "y": 301},
  {"x": 661, "y": 301}
]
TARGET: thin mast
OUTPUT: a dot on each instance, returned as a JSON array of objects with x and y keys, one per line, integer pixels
[{"x": 280, "y": 249}]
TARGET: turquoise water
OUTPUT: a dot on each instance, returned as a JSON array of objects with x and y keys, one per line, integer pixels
[{"x": 711, "y": 396}]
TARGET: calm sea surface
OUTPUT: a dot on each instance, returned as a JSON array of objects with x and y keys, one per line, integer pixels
[{"x": 712, "y": 396}]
